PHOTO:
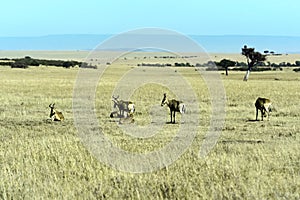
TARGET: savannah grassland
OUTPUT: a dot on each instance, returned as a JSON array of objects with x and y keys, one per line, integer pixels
[{"x": 47, "y": 160}]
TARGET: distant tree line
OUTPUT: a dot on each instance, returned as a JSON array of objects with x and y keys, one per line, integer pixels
[
  {"x": 28, "y": 61},
  {"x": 242, "y": 66},
  {"x": 165, "y": 65},
  {"x": 227, "y": 64}
]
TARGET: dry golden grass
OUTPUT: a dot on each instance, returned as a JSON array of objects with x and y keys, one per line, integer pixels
[{"x": 251, "y": 160}]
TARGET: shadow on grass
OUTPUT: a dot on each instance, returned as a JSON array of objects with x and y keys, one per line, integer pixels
[
  {"x": 252, "y": 120},
  {"x": 171, "y": 123},
  {"x": 243, "y": 141}
]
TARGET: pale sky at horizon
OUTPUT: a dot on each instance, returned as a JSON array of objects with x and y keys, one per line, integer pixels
[{"x": 213, "y": 17}]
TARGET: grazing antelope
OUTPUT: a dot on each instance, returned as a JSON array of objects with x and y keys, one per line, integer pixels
[
  {"x": 54, "y": 114},
  {"x": 264, "y": 105},
  {"x": 174, "y": 105},
  {"x": 123, "y": 106}
]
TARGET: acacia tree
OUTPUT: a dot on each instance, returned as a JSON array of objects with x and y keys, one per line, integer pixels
[
  {"x": 253, "y": 57},
  {"x": 225, "y": 64}
]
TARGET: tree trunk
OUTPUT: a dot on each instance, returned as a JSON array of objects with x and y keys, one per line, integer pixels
[
  {"x": 247, "y": 75},
  {"x": 250, "y": 65},
  {"x": 226, "y": 69}
]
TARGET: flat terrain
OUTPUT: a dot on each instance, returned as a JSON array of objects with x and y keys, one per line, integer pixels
[{"x": 251, "y": 159}]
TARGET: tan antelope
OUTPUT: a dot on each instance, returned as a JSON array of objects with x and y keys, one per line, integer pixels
[
  {"x": 125, "y": 107},
  {"x": 54, "y": 114},
  {"x": 174, "y": 105},
  {"x": 264, "y": 105}
]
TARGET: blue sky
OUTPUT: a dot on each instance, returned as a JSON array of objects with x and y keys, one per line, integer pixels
[{"x": 212, "y": 17}]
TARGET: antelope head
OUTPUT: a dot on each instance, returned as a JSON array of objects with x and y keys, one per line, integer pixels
[
  {"x": 115, "y": 100},
  {"x": 164, "y": 100}
]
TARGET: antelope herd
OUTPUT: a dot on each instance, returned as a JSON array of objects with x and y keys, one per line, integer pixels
[{"x": 126, "y": 109}]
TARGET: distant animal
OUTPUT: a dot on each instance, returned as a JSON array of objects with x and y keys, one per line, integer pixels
[
  {"x": 264, "y": 105},
  {"x": 125, "y": 107},
  {"x": 174, "y": 105},
  {"x": 54, "y": 114}
]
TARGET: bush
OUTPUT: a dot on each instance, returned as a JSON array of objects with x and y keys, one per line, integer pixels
[
  {"x": 19, "y": 64},
  {"x": 86, "y": 65},
  {"x": 296, "y": 70}
]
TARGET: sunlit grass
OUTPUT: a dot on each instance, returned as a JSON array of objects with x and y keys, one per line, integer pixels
[{"x": 252, "y": 160}]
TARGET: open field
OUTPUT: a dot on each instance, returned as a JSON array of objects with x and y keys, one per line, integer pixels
[{"x": 251, "y": 160}]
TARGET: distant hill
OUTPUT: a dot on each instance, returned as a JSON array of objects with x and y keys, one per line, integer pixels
[{"x": 217, "y": 43}]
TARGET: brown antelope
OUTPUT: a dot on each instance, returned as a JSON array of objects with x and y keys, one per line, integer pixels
[
  {"x": 54, "y": 114},
  {"x": 123, "y": 106},
  {"x": 264, "y": 105},
  {"x": 174, "y": 105}
]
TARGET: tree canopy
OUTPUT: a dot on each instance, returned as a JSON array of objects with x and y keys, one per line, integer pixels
[{"x": 253, "y": 57}]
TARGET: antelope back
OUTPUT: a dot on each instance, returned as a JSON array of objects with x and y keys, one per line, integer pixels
[
  {"x": 262, "y": 103},
  {"x": 59, "y": 116}
]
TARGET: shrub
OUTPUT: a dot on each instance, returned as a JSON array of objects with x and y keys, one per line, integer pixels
[
  {"x": 19, "y": 64},
  {"x": 296, "y": 70}
]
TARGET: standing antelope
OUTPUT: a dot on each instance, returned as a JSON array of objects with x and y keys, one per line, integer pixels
[
  {"x": 264, "y": 105},
  {"x": 174, "y": 105},
  {"x": 123, "y": 106},
  {"x": 54, "y": 114}
]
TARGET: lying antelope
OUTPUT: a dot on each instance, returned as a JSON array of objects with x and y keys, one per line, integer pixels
[
  {"x": 127, "y": 107},
  {"x": 54, "y": 114},
  {"x": 174, "y": 105},
  {"x": 264, "y": 105}
]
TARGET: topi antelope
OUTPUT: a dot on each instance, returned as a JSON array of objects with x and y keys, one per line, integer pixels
[
  {"x": 123, "y": 106},
  {"x": 54, "y": 114},
  {"x": 174, "y": 105},
  {"x": 264, "y": 105}
]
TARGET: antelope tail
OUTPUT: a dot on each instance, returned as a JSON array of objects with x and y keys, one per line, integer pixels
[{"x": 182, "y": 108}]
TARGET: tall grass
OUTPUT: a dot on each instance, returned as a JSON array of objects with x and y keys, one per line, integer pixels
[{"x": 251, "y": 160}]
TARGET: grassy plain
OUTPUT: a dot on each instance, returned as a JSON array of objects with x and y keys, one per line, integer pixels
[{"x": 251, "y": 160}]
